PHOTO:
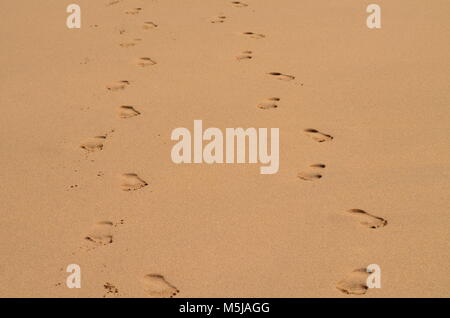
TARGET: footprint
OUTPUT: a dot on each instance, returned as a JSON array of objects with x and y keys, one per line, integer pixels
[
  {"x": 238, "y": 4},
  {"x": 101, "y": 233},
  {"x": 245, "y": 55},
  {"x": 281, "y": 76},
  {"x": 110, "y": 289},
  {"x": 354, "y": 283},
  {"x": 218, "y": 19},
  {"x": 313, "y": 173},
  {"x": 113, "y": 2},
  {"x": 93, "y": 144},
  {"x": 367, "y": 219},
  {"x": 128, "y": 44},
  {"x": 133, "y": 11},
  {"x": 127, "y": 112},
  {"x": 317, "y": 135},
  {"x": 253, "y": 35},
  {"x": 269, "y": 103},
  {"x": 132, "y": 182},
  {"x": 148, "y": 25},
  {"x": 144, "y": 61},
  {"x": 117, "y": 86},
  {"x": 157, "y": 286}
]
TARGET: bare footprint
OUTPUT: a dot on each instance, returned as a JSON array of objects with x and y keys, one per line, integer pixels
[
  {"x": 110, "y": 289},
  {"x": 113, "y": 2},
  {"x": 253, "y": 35},
  {"x": 144, "y": 61},
  {"x": 245, "y": 55},
  {"x": 132, "y": 182},
  {"x": 117, "y": 86},
  {"x": 355, "y": 283},
  {"x": 101, "y": 233},
  {"x": 238, "y": 4},
  {"x": 317, "y": 135},
  {"x": 127, "y": 111},
  {"x": 367, "y": 219},
  {"x": 148, "y": 25},
  {"x": 313, "y": 173},
  {"x": 281, "y": 76},
  {"x": 157, "y": 286},
  {"x": 269, "y": 103},
  {"x": 133, "y": 11},
  {"x": 128, "y": 44},
  {"x": 93, "y": 144},
  {"x": 218, "y": 19}
]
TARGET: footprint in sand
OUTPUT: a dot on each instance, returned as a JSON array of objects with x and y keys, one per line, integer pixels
[
  {"x": 93, "y": 144},
  {"x": 253, "y": 35},
  {"x": 367, "y": 219},
  {"x": 281, "y": 76},
  {"x": 133, "y": 11},
  {"x": 238, "y": 4},
  {"x": 148, "y": 25},
  {"x": 245, "y": 55},
  {"x": 218, "y": 19},
  {"x": 132, "y": 182},
  {"x": 157, "y": 286},
  {"x": 269, "y": 103},
  {"x": 355, "y": 283},
  {"x": 113, "y": 2},
  {"x": 110, "y": 289},
  {"x": 117, "y": 86},
  {"x": 317, "y": 135},
  {"x": 127, "y": 111},
  {"x": 101, "y": 233},
  {"x": 313, "y": 173},
  {"x": 128, "y": 44},
  {"x": 144, "y": 61}
]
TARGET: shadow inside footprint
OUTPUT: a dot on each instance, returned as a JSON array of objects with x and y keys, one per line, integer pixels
[
  {"x": 144, "y": 61},
  {"x": 101, "y": 233},
  {"x": 238, "y": 4},
  {"x": 218, "y": 19},
  {"x": 281, "y": 76},
  {"x": 367, "y": 219},
  {"x": 133, "y": 11},
  {"x": 117, "y": 86},
  {"x": 245, "y": 55},
  {"x": 148, "y": 25},
  {"x": 93, "y": 144},
  {"x": 354, "y": 283},
  {"x": 132, "y": 182},
  {"x": 312, "y": 174},
  {"x": 127, "y": 112},
  {"x": 157, "y": 286},
  {"x": 317, "y": 135},
  {"x": 269, "y": 103},
  {"x": 253, "y": 35}
]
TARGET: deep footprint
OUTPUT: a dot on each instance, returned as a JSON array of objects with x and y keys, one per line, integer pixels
[
  {"x": 128, "y": 111},
  {"x": 269, "y": 103},
  {"x": 101, "y": 233},
  {"x": 148, "y": 25},
  {"x": 317, "y": 135},
  {"x": 132, "y": 182},
  {"x": 245, "y": 55},
  {"x": 354, "y": 283},
  {"x": 94, "y": 144},
  {"x": 157, "y": 286},
  {"x": 312, "y": 174},
  {"x": 367, "y": 219},
  {"x": 253, "y": 35},
  {"x": 281, "y": 76},
  {"x": 144, "y": 61},
  {"x": 238, "y": 4},
  {"x": 117, "y": 86}
]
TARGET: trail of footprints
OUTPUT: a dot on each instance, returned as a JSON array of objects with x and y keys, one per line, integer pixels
[{"x": 102, "y": 233}]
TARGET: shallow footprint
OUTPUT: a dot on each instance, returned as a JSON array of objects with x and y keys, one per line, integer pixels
[
  {"x": 132, "y": 182},
  {"x": 127, "y": 112},
  {"x": 367, "y": 219},
  {"x": 117, "y": 86},
  {"x": 238, "y": 4},
  {"x": 218, "y": 19},
  {"x": 148, "y": 25},
  {"x": 144, "y": 61},
  {"x": 354, "y": 283},
  {"x": 245, "y": 55},
  {"x": 269, "y": 103},
  {"x": 317, "y": 135},
  {"x": 93, "y": 144},
  {"x": 133, "y": 11},
  {"x": 128, "y": 44},
  {"x": 157, "y": 286},
  {"x": 312, "y": 174},
  {"x": 253, "y": 35},
  {"x": 101, "y": 233},
  {"x": 281, "y": 76}
]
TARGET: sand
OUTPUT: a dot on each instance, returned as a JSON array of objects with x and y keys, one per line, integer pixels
[{"x": 88, "y": 182}]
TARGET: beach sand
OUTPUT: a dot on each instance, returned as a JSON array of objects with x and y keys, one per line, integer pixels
[{"x": 379, "y": 97}]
